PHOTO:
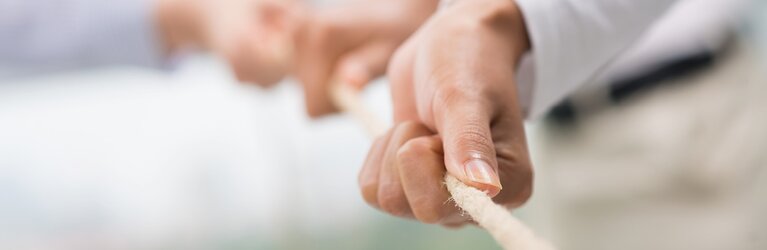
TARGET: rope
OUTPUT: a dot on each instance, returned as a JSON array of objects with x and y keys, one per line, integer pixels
[{"x": 507, "y": 230}]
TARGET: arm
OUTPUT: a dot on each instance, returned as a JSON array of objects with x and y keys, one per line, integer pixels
[
  {"x": 459, "y": 110},
  {"x": 63, "y": 34}
]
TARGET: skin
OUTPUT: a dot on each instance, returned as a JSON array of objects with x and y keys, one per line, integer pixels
[
  {"x": 352, "y": 44},
  {"x": 452, "y": 84},
  {"x": 265, "y": 40},
  {"x": 253, "y": 36},
  {"x": 455, "y": 105}
]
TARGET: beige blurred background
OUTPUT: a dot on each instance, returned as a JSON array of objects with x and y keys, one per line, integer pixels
[{"x": 126, "y": 158}]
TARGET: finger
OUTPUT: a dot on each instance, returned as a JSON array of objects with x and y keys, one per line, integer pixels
[
  {"x": 391, "y": 195},
  {"x": 463, "y": 120},
  {"x": 268, "y": 62},
  {"x": 263, "y": 53},
  {"x": 362, "y": 65},
  {"x": 321, "y": 42},
  {"x": 400, "y": 74},
  {"x": 252, "y": 64},
  {"x": 466, "y": 86},
  {"x": 368, "y": 176},
  {"x": 514, "y": 164},
  {"x": 422, "y": 170},
  {"x": 314, "y": 64}
]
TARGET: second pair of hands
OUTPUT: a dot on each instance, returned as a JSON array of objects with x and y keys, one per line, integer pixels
[{"x": 451, "y": 74}]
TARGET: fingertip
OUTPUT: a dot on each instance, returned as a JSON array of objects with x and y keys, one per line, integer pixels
[
  {"x": 490, "y": 190},
  {"x": 316, "y": 113},
  {"x": 481, "y": 175},
  {"x": 369, "y": 190},
  {"x": 318, "y": 104}
]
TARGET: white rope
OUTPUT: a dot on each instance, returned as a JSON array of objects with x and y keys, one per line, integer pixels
[{"x": 507, "y": 230}]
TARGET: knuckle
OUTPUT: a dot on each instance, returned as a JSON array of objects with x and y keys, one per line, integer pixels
[
  {"x": 449, "y": 90},
  {"x": 451, "y": 95},
  {"x": 392, "y": 203},
  {"x": 517, "y": 198},
  {"x": 408, "y": 125},
  {"x": 444, "y": 97},
  {"x": 475, "y": 137},
  {"x": 513, "y": 154},
  {"x": 413, "y": 150},
  {"x": 459, "y": 27},
  {"x": 401, "y": 127},
  {"x": 465, "y": 27},
  {"x": 523, "y": 196},
  {"x": 413, "y": 130},
  {"x": 515, "y": 164},
  {"x": 428, "y": 210},
  {"x": 369, "y": 190}
]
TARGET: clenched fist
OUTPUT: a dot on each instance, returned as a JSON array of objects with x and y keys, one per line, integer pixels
[{"x": 456, "y": 109}]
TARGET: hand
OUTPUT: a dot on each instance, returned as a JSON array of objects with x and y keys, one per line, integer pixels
[
  {"x": 352, "y": 44},
  {"x": 254, "y": 36},
  {"x": 455, "y": 104}
]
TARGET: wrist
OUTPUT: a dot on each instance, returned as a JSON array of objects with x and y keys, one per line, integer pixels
[
  {"x": 510, "y": 18},
  {"x": 179, "y": 24}
]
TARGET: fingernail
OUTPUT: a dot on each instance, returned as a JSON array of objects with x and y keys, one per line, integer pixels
[{"x": 481, "y": 172}]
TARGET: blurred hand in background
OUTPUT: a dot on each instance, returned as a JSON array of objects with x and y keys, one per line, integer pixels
[
  {"x": 253, "y": 36},
  {"x": 265, "y": 40},
  {"x": 352, "y": 44}
]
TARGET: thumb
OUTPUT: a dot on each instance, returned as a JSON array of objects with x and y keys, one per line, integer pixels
[
  {"x": 362, "y": 65},
  {"x": 469, "y": 150}
]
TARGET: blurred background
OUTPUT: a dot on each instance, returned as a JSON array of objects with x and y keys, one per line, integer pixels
[{"x": 128, "y": 158}]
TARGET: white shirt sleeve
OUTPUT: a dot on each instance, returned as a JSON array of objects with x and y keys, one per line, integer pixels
[
  {"x": 60, "y": 34},
  {"x": 572, "y": 40},
  {"x": 689, "y": 28}
]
